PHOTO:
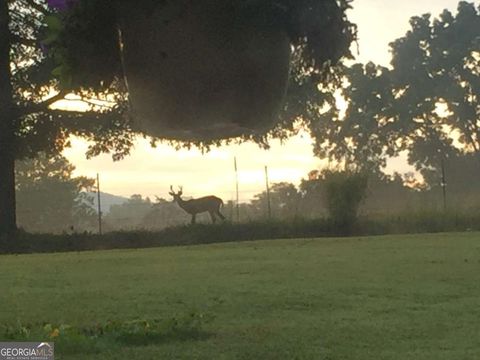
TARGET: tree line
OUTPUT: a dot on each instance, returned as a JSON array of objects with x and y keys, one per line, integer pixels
[{"x": 51, "y": 199}]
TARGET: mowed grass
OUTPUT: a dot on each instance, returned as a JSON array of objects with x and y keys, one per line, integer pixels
[{"x": 389, "y": 297}]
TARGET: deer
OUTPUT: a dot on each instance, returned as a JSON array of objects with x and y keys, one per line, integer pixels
[{"x": 210, "y": 204}]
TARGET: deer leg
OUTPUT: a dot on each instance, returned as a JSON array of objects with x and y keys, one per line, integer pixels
[
  {"x": 193, "y": 219},
  {"x": 212, "y": 215},
  {"x": 220, "y": 215}
]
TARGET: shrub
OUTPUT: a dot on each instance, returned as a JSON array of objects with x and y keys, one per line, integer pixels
[{"x": 344, "y": 192}]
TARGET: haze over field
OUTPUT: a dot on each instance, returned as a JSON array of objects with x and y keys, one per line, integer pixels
[{"x": 150, "y": 171}]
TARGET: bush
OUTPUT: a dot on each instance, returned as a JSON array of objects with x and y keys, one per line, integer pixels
[{"x": 344, "y": 192}]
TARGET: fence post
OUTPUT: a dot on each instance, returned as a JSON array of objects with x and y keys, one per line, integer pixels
[
  {"x": 99, "y": 206},
  {"x": 269, "y": 206},
  {"x": 236, "y": 186}
]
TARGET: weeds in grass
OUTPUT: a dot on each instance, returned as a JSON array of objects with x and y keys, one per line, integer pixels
[{"x": 71, "y": 339}]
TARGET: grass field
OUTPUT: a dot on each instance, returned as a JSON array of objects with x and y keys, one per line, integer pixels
[{"x": 389, "y": 297}]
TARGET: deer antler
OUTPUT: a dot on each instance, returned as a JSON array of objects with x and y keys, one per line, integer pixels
[{"x": 158, "y": 201}]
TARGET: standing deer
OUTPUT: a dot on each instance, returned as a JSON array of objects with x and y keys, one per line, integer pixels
[{"x": 196, "y": 206}]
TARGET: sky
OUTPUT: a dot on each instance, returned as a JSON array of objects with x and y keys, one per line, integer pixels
[{"x": 150, "y": 171}]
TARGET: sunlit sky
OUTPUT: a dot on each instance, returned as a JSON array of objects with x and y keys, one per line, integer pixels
[{"x": 150, "y": 171}]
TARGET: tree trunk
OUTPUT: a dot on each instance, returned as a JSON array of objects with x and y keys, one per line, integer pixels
[{"x": 7, "y": 132}]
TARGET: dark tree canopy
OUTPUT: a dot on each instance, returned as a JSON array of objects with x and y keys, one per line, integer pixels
[
  {"x": 437, "y": 64},
  {"x": 38, "y": 127},
  {"x": 365, "y": 135},
  {"x": 425, "y": 104}
]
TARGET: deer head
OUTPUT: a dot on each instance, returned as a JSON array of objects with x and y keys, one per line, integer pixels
[{"x": 176, "y": 196}]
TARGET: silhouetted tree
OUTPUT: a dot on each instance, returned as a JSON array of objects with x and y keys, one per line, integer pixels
[
  {"x": 344, "y": 192},
  {"x": 436, "y": 68},
  {"x": 426, "y": 104},
  {"x": 337, "y": 194},
  {"x": 363, "y": 136},
  {"x": 50, "y": 198},
  {"x": 462, "y": 184},
  {"x": 130, "y": 214},
  {"x": 28, "y": 124},
  {"x": 7, "y": 127},
  {"x": 312, "y": 190},
  {"x": 284, "y": 200}
]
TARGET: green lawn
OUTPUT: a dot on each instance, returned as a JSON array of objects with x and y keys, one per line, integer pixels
[{"x": 389, "y": 297}]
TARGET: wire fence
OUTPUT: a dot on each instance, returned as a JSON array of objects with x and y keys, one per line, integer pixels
[{"x": 253, "y": 204}]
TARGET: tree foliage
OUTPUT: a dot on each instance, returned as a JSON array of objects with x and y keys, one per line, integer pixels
[
  {"x": 364, "y": 135},
  {"x": 38, "y": 126},
  {"x": 50, "y": 198},
  {"x": 344, "y": 192},
  {"x": 425, "y": 104},
  {"x": 284, "y": 202},
  {"x": 437, "y": 64}
]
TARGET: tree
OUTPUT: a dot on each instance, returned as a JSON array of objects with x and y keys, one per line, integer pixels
[
  {"x": 130, "y": 214},
  {"x": 284, "y": 201},
  {"x": 28, "y": 124},
  {"x": 344, "y": 192},
  {"x": 436, "y": 68},
  {"x": 7, "y": 129},
  {"x": 46, "y": 54},
  {"x": 426, "y": 104},
  {"x": 461, "y": 182},
  {"x": 335, "y": 193},
  {"x": 50, "y": 199},
  {"x": 364, "y": 136}
]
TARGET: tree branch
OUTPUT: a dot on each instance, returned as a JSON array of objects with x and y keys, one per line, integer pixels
[{"x": 43, "y": 106}]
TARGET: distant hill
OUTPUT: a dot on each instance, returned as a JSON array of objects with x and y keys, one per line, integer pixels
[{"x": 107, "y": 200}]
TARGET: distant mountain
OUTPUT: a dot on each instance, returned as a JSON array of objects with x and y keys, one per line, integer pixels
[{"x": 107, "y": 200}]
